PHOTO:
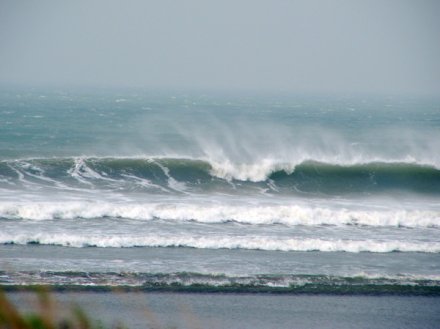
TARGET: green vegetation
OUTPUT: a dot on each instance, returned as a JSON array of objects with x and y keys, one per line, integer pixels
[{"x": 47, "y": 316}]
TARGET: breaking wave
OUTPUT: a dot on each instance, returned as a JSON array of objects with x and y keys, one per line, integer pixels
[
  {"x": 219, "y": 213},
  {"x": 165, "y": 175},
  {"x": 218, "y": 242}
]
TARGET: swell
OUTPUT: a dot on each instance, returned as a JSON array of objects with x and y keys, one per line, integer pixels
[{"x": 202, "y": 175}]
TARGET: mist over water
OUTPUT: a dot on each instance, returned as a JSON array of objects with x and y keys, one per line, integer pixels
[{"x": 230, "y": 130}]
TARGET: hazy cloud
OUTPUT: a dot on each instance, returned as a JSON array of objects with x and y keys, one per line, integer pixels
[{"x": 342, "y": 46}]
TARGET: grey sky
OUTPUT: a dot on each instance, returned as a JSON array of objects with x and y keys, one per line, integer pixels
[{"x": 331, "y": 46}]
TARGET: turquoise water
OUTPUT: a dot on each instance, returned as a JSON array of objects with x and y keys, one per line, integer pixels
[{"x": 165, "y": 183}]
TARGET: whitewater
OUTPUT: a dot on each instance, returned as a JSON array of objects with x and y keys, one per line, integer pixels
[{"x": 285, "y": 186}]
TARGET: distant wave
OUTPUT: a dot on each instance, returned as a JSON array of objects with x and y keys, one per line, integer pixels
[
  {"x": 169, "y": 175},
  {"x": 219, "y": 242},
  {"x": 218, "y": 213}
]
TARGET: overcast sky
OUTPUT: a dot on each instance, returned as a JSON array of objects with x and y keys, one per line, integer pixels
[{"x": 381, "y": 46}]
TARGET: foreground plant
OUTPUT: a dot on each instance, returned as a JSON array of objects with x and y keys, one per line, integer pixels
[{"x": 46, "y": 316}]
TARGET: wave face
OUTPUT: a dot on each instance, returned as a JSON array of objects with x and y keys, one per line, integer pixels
[{"x": 165, "y": 175}]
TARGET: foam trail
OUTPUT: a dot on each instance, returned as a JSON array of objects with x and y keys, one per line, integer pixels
[
  {"x": 144, "y": 182},
  {"x": 172, "y": 183},
  {"x": 21, "y": 177},
  {"x": 76, "y": 171},
  {"x": 41, "y": 175}
]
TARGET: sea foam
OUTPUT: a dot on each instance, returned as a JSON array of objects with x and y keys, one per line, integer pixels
[
  {"x": 218, "y": 242},
  {"x": 293, "y": 214}
]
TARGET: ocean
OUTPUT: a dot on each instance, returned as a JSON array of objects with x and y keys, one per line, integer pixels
[{"x": 219, "y": 192}]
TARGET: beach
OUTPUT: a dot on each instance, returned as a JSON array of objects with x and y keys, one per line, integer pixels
[{"x": 171, "y": 310}]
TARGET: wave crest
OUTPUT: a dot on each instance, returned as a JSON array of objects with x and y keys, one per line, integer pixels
[{"x": 169, "y": 175}]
